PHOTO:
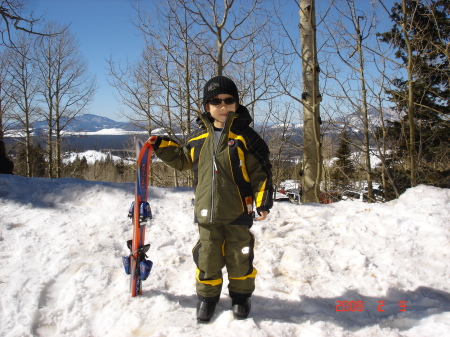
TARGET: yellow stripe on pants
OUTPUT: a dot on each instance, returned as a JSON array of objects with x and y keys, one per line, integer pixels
[
  {"x": 251, "y": 275},
  {"x": 209, "y": 282}
]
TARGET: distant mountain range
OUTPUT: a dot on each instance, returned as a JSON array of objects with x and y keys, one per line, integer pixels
[
  {"x": 113, "y": 135},
  {"x": 352, "y": 122},
  {"x": 91, "y": 123},
  {"x": 94, "y": 123}
]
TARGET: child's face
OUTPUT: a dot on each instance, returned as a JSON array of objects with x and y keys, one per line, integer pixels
[{"x": 220, "y": 112}]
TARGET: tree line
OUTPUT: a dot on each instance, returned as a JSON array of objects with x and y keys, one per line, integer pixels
[
  {"x": 362, "y": 68},
  {"x": 43, "y": 77}
]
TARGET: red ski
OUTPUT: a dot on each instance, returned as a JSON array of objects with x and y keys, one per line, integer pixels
[{"x": 136, "y": 263}]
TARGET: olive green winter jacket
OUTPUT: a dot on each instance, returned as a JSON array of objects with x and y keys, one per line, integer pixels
[{"x": 228, "y": 177}]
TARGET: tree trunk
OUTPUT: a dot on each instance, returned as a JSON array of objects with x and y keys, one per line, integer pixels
[
  {"x": 364, "y": 104},
  {"x": 312, "y": 152},
  {"x": 1, "y": 112},
  {"x": 58, "y": 153},
  {"x": 410, "y": 100}
]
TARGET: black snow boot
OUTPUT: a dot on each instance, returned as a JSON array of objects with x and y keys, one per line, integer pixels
[
  {"x": 205, "y": 310},
  {"x": 241, "y": 307}
]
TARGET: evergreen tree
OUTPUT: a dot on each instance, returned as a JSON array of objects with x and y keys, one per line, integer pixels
[
  {"x": 76, "y": 169},
  {"x": 37, "y": 164},
  {"x": 343, "y": 169},
  {"x": 421, "y": 34}
]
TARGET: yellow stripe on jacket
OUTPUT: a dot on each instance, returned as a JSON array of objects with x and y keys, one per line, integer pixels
[
  {"x": 167, "y": 143},
  {"x": 260, "y": 194}
]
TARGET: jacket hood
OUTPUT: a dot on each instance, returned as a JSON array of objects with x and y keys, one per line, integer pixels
[{"x": 242, "y": 113}]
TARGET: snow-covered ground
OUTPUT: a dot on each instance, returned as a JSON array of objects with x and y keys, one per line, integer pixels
[
  {"x": 343, "y": 269},
  {"x": 110, "y": 132},
  {"x": 91, "y": 157}
]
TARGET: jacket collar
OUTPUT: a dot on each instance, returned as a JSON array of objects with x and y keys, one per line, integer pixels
[{"x": 240, "y": 117}]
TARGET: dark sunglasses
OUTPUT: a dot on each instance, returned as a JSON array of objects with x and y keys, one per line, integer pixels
[{"x": 218, "y": 101}]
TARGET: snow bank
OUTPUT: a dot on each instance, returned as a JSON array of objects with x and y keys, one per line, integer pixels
[
  {"x": 91, "y": 157},
  {"x": 108, "y": 132},
  {"x": 343, "y": 269}
]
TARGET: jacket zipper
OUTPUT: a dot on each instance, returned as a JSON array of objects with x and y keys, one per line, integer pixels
[
  {"x": 215, "y": 170},
  {"x": 213, "y": 187}
]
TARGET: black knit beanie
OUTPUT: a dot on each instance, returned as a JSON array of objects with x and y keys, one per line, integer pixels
[{"x": 219, "y": 85}]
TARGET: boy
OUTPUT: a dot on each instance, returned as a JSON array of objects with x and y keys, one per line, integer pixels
[{"x": 231, "y": 172}]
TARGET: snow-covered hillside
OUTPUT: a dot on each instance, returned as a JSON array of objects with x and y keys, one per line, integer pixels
[
  {"x": 344, "y": 269},
  {"x": 91, "y": 157}
]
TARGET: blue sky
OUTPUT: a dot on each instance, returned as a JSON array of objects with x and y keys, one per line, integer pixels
[{"x": 103, "y": 28}]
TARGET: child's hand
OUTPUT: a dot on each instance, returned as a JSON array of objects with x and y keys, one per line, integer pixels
[{"x": 263, "y": 216}]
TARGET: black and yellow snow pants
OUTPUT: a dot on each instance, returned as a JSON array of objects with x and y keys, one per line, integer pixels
[{"x": 229, "y": 246}]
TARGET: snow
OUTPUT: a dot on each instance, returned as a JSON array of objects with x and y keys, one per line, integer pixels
[
  {"x": 103, "y": 132},
  {"x": 91, "y": 157},
  {"x": 61, "y": 242},
  {"x": 108, "y": 132},
  {"x": 290, "y": 184},
  {"x": 358, "y": 158}
]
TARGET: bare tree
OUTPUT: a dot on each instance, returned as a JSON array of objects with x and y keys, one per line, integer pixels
[
  {"x": 173, "y": 70},
  {"x": 134, "y": 85},
  {"x": 185, "y": 43},
  {"x": 406, "y": 31},
  {"x": 312, "y": 148},
  {"x": 174, "y": 64},
  {"x": 257, "y": 69},
  {"x": 348, "y": 36},
  {"x": 6, "y": 94},
  {"x": 65, "y": 86},
  {"x": 13, "y": 17},
  {"x": 303, "y": 89},
  {"x": 22, "y": 71},
  {"x": 226, "y": 26},
  {"x": 280, "y": 139},
  {"x": 380, "y": 134}
]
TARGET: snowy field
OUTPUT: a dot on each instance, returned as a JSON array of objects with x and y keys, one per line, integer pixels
[
  {"x": 92, "y": 157},
  {"x": 343, "y": 269}
]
